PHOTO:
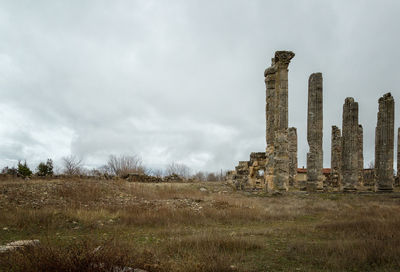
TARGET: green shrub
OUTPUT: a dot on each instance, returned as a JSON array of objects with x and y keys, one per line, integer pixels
[
  {"x": 23, "y": 170},
  {"x": 45, "y": 169}
]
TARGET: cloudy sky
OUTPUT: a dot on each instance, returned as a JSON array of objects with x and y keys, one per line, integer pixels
[{"x": 182, "y": 80}]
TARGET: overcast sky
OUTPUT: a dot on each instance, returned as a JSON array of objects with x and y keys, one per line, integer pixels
[{"x": 182, "y": 80}]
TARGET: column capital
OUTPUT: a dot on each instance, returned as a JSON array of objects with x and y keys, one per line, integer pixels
[{"x": 283, "y": 58}]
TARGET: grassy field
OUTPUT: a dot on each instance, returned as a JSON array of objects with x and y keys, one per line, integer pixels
[{"x": 91, "y": 225}]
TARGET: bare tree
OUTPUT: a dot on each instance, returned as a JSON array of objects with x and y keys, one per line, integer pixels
[
  {"x": 211, "y": 177},
  {"x": 200, "y": 176},
  {"x": 178, "y": 169},
  {"x": 155, "y": 172},
  {"x": 124, "y": 164},
  {"x": 72, "y": 165}
]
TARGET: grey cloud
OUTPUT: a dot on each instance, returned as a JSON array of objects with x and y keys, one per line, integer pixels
[{"x": 183, "y": 80}]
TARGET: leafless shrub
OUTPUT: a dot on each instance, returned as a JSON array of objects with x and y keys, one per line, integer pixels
[
  {"x": 124, "y": 164},
  {"x": 72, "y": 165},
  {"x": 212, "y": 177},
  {"x": 178, "y": 169},
  {"x": 200, "y": 176},
  {"x": 155, "y": 172}
]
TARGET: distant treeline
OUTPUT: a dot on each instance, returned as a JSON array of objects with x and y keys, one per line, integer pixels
[{"x": 116, "y": 166}]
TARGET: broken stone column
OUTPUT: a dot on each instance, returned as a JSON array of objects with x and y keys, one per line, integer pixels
[
  {"x": 314, "y": 133},
  {"x": 292, "y": 136},
  {"x": 270, "y": 79},
  {"x": 384, "y": 145},
  {"x": 277, "y": 152},
  {"x": 336, "y": 157},
  {"x": 360, "y": 140},
  {"x": 350, "y": 145}
]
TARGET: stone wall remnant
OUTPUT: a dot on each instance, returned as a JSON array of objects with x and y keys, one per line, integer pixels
[
  {"x": 314, "y": 133},
  {"x": 257, "y": 170},
  {"x": 384, "y": 144},
  {"x": 350, "y": 145},
  {"x": 336, "y": 157},
  {"x": 240, "y": 179},
  {"x": 292, "y": 136}
]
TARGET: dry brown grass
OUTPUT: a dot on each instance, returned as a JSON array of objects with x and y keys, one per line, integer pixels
[
  {"x": 84, "y": 255},
  {"x": 177, "y": 227}
]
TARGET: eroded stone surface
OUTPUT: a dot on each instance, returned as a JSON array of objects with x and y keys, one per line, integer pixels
[
  {"x": 277, "y": 152},
  {"x": 240, "y": 179},
  {"x": 314, "y": 133},
  {"x": 398, "y": 153},
  {"x": 292, "y": 136},
  {"x": 257, "y": 170},
  {"x": 336, "y": 157},
  {"x": 384, "y": 144},
  {"x": 360, "y": 141},
  {"x": 350, "y": 145}
]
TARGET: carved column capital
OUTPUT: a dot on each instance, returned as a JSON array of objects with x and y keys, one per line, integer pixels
[{"x": 282, "y": 58}]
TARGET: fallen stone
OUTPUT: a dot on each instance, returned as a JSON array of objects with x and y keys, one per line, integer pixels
[{"x": 21, "y": 244}]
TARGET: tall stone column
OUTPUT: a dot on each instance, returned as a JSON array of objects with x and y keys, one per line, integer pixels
[
  {"x": 277, "y": 152},
  {"x": 292, "y": 135},
  {"x": 398, "y": 153},
  {"x": 336, "y": 157},
  {"x": 360, "y": 139},
  {"x": 350, "y": 145},
  {"x": 270, "y": 80},
  {"x": 384, "y": 144},
  {"x": 282, "y": 60},
  {"x": 314, "y": 133}
]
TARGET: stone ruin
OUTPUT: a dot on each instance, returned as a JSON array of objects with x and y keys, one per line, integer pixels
[
  {"x": 398, "y": 157},
  {"x": 257, "y": 170},
  {"x": 276, "y": 169},
  {"x": 360, "y": 142},
  {"x": 350, "y": 144},
  {"x": 249, "y": 174},
  {"x": 241, "y": 175},
  {"x": 314, "y": 133},
  {"x": 277, "y": 151},
  {"x": 384, "y": 144},
  {"x": 336, "y": 158},
  {"x": 292, "y": 138}
]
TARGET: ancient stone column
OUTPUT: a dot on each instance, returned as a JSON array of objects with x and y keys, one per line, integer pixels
[
  {"x": 360, "y": 140},
  {"x": 314, "y": 133},
  {"x": 277, "y": 152},
  {"x": 282, "y": 60},
  {"x": 270, "y": 79},
  {"x": 350, "y": 145},
  {"x": 398, "y": 153},
  {"x": 336, "y": 157},
  {"x": 384, "y": 144},
  {"x": 292, "y": 136}
]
